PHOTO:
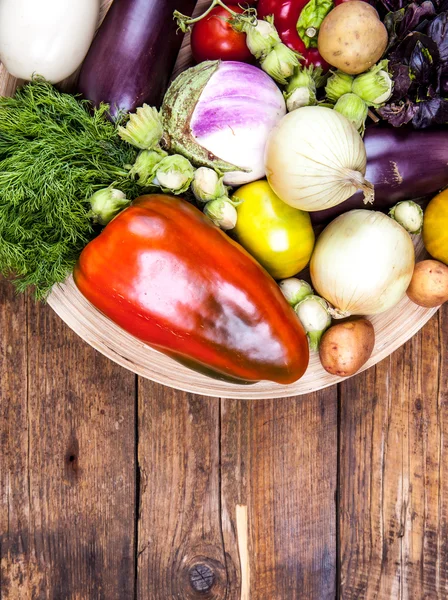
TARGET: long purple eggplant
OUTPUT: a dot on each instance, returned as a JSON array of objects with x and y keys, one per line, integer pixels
[
  {"x": 133, "y": 54},
  {"x": 403, "y": 164}
]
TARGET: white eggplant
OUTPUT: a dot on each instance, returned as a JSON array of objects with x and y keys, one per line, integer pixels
[{"x": 46, "y": 37}]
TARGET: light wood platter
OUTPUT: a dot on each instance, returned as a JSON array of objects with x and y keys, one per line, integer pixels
[{"x": 392, "y": 329}]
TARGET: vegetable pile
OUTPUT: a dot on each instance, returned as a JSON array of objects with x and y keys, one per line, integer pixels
[{"x": 190, "y": 215}]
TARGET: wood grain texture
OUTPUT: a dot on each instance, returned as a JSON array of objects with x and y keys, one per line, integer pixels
[
  {"x": 231, "y": 499},
  {"x": 67, "y": 472},
  {"x": 279, "y": 458},
  {"x": 393, "y": 482},
  {"x": 198, "y": 466},
  {"x": 179, "y": 530}
]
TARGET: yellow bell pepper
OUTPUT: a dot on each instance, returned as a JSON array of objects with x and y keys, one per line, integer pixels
[
  {"x": 279, "y": 236},
  {"x": 435, "y": 227}
]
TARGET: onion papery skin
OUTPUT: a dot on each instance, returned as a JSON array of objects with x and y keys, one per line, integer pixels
[
  {"x": 313, "y": 157},
  {"x": 362, "y": 263},
  {"x": 220, "y": 114}
]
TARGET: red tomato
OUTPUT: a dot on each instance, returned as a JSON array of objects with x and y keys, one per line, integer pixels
[{"x": 213, "y": 38}]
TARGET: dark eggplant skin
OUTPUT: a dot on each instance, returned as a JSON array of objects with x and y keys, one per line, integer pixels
[
  {"x": 133, "y": 54},
  {"x": 403, "y": 164}
]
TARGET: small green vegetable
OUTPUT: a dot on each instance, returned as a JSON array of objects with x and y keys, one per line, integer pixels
[
  {"x": 222, "y": 212},
  {"x": 410, "y": 216},
  {"x": 55, "y": 153},
  {"x": 261, "y": 38},
  {"x": 280, "y": 63},
  {"x": 301, "y": 90},
  {"x": 337, "y": 85},
  {"x": 314, "y": 315},
  {"x": 174, "y": 174},
  {"x": 355, "y": 109},
  {"x": 144, "y": 129},
  {"x": 375, "y": 86},
  {"x": 106, "y": 204},
  {"x": 207, "y": 185},
  {"x": 144, "y": 168},
  {"x": 295, "y": 290}
]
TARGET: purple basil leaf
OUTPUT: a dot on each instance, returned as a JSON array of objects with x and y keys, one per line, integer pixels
[
  {"x": 388, "y": 5},
  {"x": 432, "y": 112},
  {"x": 398, "y": 114},
  {"x": 431, "y": 92},
  {"x": 438, "y": 32},
  {"x": 402, "y": 22},
  {"x": 414, "y": 15},
  {"x": 392, "y": 22},
  {"x": 444, "y": 84},
  {"x": 420, "y": 63},
  {"x": 404, "y": 53},
  {"x": 402, "y": 80}
]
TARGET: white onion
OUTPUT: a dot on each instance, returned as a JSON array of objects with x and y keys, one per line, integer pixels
[
  {"x": 315, "y": 159},
  {"x": 362, "y": 263}
]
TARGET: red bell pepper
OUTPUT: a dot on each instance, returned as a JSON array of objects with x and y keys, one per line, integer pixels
[
  {"x": 163, "y": 272},
  {"x": 286, "y": 15}
]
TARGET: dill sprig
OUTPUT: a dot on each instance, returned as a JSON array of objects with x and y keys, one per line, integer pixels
[{"x": 55, "y": 152}]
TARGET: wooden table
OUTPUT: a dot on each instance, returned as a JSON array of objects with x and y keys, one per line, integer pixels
[{"x": 113, "y": 487}]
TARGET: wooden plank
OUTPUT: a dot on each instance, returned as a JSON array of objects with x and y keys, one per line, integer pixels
[
  {"x": 279, "y": 459},
  {"x": 67, "y": 448},
  {"x": 180, "y": 546},
  {"x": 393, "y": 487},
  {"x": 15, "y": 561}
]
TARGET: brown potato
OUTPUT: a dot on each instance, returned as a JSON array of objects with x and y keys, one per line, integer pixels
[
  {"x": 352, "y": 37},
  {"x": 347, "y": 346},
  {"x": 429, "y": 284}
]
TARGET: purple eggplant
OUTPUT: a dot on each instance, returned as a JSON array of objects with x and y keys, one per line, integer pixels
[
  {"x": 403, "y": 164},
  {"x": 133, "y": 54}
]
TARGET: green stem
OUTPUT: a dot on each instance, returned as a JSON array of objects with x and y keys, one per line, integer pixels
[
  {"x": 184, "y": 22},
  {"x": 120, "y": 172},
  {"x": 314, "y": 339}
]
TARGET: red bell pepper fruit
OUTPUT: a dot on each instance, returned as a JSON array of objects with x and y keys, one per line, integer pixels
[
  {"x": 286, "y": 15},
  {"x": 163, "y": 272}
]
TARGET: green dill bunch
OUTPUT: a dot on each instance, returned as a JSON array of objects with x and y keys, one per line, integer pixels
[{"x": 55, "y": 152}]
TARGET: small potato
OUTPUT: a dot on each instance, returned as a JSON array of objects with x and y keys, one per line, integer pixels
[
  {"x": 347, "y": 346},
  {"x": 429, "y": 284},
  {"x": 352, "y": 37}
]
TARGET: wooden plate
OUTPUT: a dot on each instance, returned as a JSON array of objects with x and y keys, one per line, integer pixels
[{"x": 393, "y": 329}]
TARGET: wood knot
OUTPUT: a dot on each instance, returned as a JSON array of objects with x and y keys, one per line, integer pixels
[
  {"x": 202, "y": 578},
  {"x": 72, "y": 468}
]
